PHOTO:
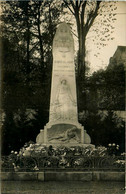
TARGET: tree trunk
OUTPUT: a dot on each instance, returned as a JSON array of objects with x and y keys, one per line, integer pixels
[
  {"x": 81, "y": 58},
  {"x": 40, "y": 43},
  {"x": 81, "y": 77},
  {"x": 28, "y": 41},
  {"x": 39, "y": 36},
  {"x": 81, "y": 67}
]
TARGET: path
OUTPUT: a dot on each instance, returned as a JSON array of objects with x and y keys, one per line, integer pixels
[{"x": 34, "y": 187}]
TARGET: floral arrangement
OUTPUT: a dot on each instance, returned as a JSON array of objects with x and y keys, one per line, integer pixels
[
  {"x": 113, "y": 149},
  {"x": 33, "y": 157}
]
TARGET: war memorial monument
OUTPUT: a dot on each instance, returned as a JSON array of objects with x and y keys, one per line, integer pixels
[{"x": 63, "y": 127}]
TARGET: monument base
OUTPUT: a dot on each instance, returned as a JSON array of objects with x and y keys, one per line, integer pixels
[
  {"x": 63, "y": 134},
  {"x": 69, "y": 145}
]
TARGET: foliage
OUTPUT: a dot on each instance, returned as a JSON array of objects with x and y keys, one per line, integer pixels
[
  {"x": 28, "y": 28},
  {"x": 17, "y": 129},
  {"x": 103, "y": 127},
  {"x": 107, "y": 88},
  {"x": 34, "y": 157},
  {"x": 113, "y": 149},
  {"x": 90, "y": 16},
  {"x": 94, "y": 21}
]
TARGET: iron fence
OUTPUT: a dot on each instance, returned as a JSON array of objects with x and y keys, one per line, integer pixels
[{"x": 71, "y": 163}]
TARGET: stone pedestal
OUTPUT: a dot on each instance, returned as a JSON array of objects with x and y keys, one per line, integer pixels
[
  {"x": 63, "y": 134},
  {"x": 63, "y": 126}
]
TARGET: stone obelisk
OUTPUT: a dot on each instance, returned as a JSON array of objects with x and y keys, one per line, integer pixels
[{"x": 63, "y": 126}]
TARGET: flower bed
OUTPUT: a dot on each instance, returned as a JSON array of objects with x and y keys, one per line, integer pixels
[{"x": 35, "y": 157}]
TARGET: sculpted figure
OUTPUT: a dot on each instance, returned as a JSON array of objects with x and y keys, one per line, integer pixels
[
  {"x": 64, "y": 100},
  {"x": 70, "y": 134}
]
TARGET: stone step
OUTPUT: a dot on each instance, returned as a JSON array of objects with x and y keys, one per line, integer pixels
[{"x": 63, "y": 176}]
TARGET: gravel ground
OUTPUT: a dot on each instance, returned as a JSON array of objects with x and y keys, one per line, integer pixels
[{"x": 52, "y": 187}]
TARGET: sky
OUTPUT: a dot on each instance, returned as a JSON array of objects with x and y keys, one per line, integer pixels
[
  {"x": 119, "y": 35},
  {"x": 106, "y": 52}
]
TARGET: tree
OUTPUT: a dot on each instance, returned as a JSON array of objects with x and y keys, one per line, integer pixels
[
  {"x": 105, "y": 91},
  {"x": 87, "y": 15},
  {"x": 83, "y": 27},
  {"x": 27, "y": 33},
  {"x": 107, "y": 88},
  {"x": 29, "y": 26},
  {"x": 104, "y": 128}
]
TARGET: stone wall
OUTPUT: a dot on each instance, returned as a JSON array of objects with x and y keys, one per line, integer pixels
[{"x": 63, "y": 176}]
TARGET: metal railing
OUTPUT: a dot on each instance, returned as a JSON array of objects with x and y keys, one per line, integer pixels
[{"x": 71, "y": 163}]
